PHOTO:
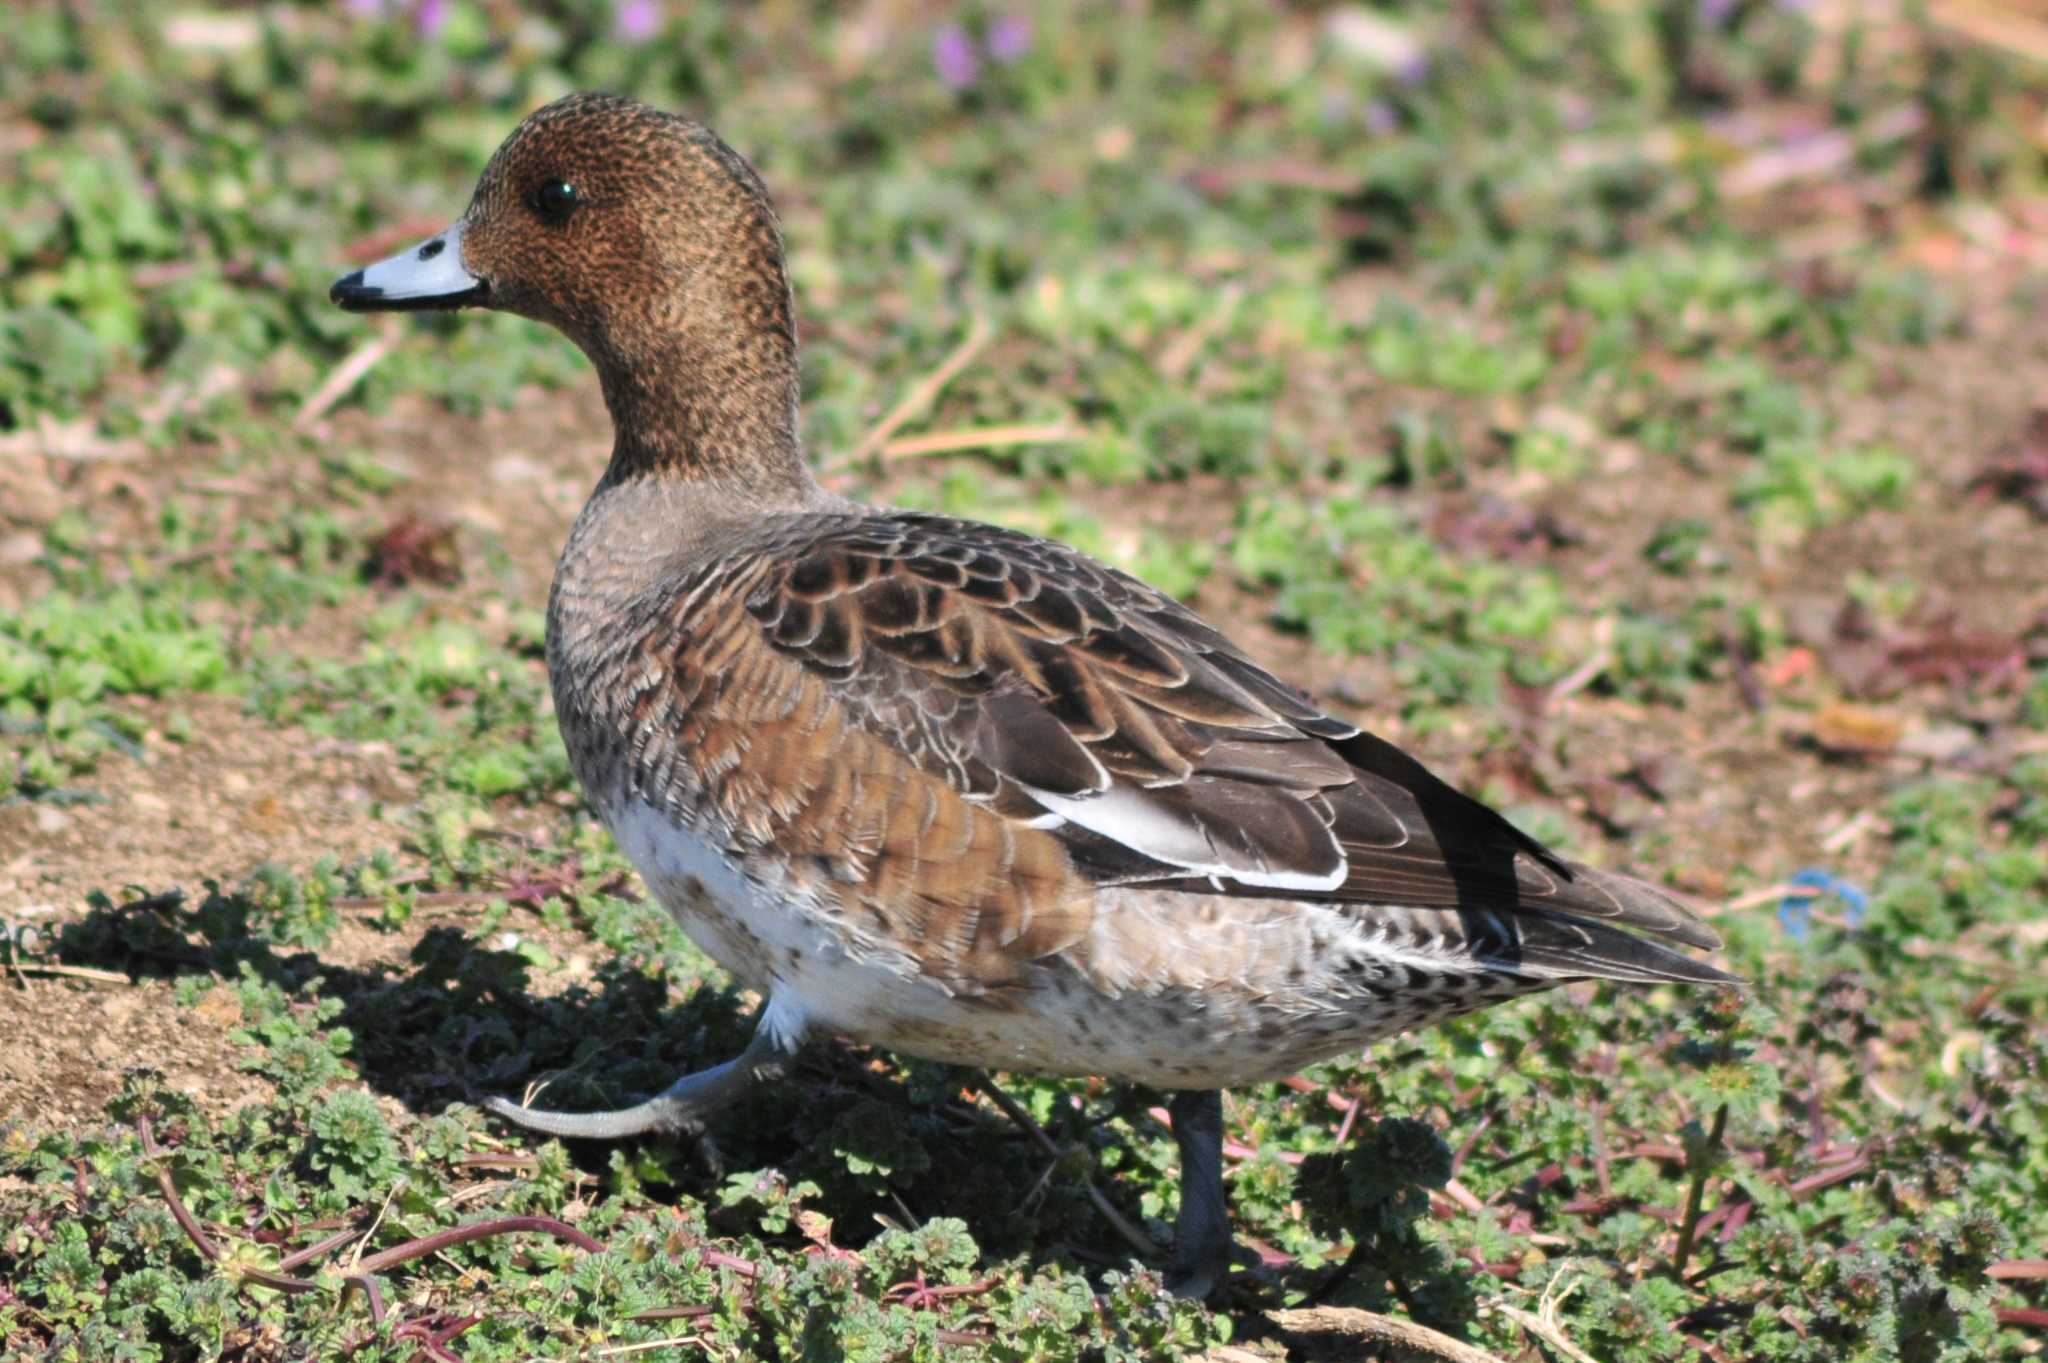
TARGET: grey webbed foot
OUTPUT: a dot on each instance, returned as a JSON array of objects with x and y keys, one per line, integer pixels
[
  {"x": 1201, "y": 1240},
  {"x": 681, "y": 1109}
]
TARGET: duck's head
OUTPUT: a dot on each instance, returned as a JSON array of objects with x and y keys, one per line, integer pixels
[{"x": 650, "y": 243}]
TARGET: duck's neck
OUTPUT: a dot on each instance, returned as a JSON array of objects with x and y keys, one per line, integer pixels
[{"x": 704, "y": 388}]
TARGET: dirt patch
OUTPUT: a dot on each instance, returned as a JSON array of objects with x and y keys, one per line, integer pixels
[
  {"x": 237, "y": 795},
  {"x": 512, "y": 479},
  {"x": 70, "y": 1041}
]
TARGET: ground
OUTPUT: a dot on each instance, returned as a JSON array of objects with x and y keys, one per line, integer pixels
[{"x": 1636, "y": 415}]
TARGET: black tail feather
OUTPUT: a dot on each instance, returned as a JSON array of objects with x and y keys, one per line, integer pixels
[{"x": 1565, "y": 947}]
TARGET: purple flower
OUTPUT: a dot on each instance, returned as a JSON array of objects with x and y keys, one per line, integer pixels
[
  {"x": 637, "y": 20},
  {"x": 1009, "y": 38},
  {"x": 429, "y": 17},
  {"x": 953, "y": 55},
  {"x": 1380, "y": 118},
  {"x": 1714, "y": 13},
  {"x": 366, "y": 9}
]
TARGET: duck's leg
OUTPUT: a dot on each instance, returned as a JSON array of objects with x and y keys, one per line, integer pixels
[
  {"x": 685, "y": 1105},
  {"x": 1201, "y": 1233}
]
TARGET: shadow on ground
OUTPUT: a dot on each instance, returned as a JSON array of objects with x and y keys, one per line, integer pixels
[{"x": 460, "y": 1022}]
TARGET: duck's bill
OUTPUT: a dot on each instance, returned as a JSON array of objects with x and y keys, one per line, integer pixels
[{"x": 429, "y": 275}]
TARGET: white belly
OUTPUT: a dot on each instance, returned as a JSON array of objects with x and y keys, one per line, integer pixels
[{"x": 814, "y": 970}]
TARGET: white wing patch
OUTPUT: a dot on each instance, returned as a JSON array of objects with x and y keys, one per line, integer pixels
[{"x": 1124, "y": 815}]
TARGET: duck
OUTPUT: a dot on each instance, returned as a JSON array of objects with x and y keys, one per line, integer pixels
[{"x": 945, "y": 788}]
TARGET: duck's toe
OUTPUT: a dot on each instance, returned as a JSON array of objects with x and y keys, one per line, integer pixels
[
  {"x": 657, "y": 1116},
  {"x": 682, "y": 1109}
]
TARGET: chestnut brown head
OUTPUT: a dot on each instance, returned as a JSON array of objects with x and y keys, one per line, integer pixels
[
  {"x": 653, "y": 246},
  {"x": 594, "y": 207}
]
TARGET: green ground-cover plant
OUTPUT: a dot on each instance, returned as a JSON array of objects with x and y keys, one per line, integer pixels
[{"x": 1315, "y": 284}]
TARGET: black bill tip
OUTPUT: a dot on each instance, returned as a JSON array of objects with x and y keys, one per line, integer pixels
[
  {"x": 349, "y": 291},
  {"x": 351, "y": 294}
]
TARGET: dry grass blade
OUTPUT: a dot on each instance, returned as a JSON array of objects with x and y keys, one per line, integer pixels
[
  {"x": 344, "y": 377},
  {"x": 355, "y": 1257},
  {"x": 1546, "y": 1330},
  {"x": 925, "y": 391},
  {"x": 1991, "y": 25},
  {"x": 1766, "y": 895},
  {"x": 1543, "y": 1322},
  {"x": 1580, "y": 677},
  {"x": 674, "y": 1341},
  {"x": 71, "y": 972},
  {"x": 1175, "y": 360},
  {"x": 982, "y": 438},
  {"x": 77, "y": 441}
]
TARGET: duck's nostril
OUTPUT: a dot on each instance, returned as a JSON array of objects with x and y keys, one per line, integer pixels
[{"x": 433, "y": 248}]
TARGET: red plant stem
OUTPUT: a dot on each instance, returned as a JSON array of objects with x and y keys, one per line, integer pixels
[
  {"x": 746, "y": 1268},
  {"x": 335, "y": 1241},
  {"x": 435, "y": 1341},
  {"x": 944, "y": 1289},
  {"x": 283, "y": 1282},
  {"x": 368, "y": 1286},
  {"x": 2019, "y": 1270},
  {"x": 1828, "y": 1178},
  {"x": 1711, "y": 1220},
  {"x": 179, "y": 1213},
  {"x": 480, "y": 1230},
  {"x": 1470, "y": 1142},
  {"x": 2022, "y": 1315},
  {"x": 1350, "y": 1118}
]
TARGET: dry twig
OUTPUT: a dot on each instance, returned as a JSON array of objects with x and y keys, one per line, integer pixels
[
  {"x": 1543, "y": 1322},
  {"x": 344, "y": 377},
  {"x": 1766, "y": 895},
  {"x": 925, "y": 391},
  {"x": 982, "y": 438},
  {"x": 72, "y": 972},
  {"x": 1397, "y": 1338},
  {"x": 1182, "y": 351}
]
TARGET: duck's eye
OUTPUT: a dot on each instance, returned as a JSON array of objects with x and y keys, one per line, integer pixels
[{"x": 555, "y": 200}]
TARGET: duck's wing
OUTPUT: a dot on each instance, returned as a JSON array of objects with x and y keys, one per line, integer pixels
[{"x": 1072, "y": 698}]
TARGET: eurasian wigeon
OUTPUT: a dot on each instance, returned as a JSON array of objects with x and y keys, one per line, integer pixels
[{"x": 939, "y": 786}]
